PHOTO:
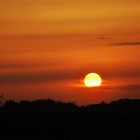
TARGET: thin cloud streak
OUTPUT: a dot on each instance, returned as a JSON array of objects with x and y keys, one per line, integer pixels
[
  {"x": 28, "y": 65},
  {"x": 35, "y": 77},
  {"x": 127, "y": 43},
  {"x": 124, "y": 87}
]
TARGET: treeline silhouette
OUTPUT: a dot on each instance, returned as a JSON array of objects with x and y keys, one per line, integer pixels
[
  {"x": 49, "y": 105},
  {"x": 41, "y": 105}
]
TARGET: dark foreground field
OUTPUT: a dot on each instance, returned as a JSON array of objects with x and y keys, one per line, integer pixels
[{"x": 120, "y": 120}]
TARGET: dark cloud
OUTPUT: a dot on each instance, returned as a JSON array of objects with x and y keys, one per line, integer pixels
[
  {"x": 127, "y": 43},
  {"x": 104, "y": 38},
  {"x": 28, "y": 65},
  {"x": 35, "y": 77},
  {"x": 130, "y": 87},
  {"x": 122, "y": 73},
  {"x": 46, "y": 36},
  {"x": 125, "y": 87}
]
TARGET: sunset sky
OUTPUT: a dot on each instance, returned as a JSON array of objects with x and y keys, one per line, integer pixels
[{"x": 48, "y": 46}]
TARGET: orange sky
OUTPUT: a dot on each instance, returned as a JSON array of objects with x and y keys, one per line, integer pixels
[{"x": 48, "y": 46}]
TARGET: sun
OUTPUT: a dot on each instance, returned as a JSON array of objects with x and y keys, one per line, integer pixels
[{"x": 92, "y": 80}]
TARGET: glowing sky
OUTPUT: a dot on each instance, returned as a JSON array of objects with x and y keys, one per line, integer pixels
[{"x": 48, "y": 46}]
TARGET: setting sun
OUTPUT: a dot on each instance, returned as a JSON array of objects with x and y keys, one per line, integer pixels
[{"x": 92, "y": 80}]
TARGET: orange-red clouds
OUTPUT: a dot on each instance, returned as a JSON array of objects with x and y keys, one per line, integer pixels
[{"x": 47, "y": 47}]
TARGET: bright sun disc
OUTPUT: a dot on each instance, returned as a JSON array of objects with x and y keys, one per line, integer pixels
[{"x": 92, "y": 80}]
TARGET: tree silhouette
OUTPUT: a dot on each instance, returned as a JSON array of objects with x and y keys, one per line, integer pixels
[{"x": 1, "y": 99}]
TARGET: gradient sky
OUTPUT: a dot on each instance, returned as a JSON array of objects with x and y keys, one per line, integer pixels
[{"x": 48, "y": 46}]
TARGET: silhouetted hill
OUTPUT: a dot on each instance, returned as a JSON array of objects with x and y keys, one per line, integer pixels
[
  {"x": 49, "y": 105},
  {"x": 120, "y": 106}
]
